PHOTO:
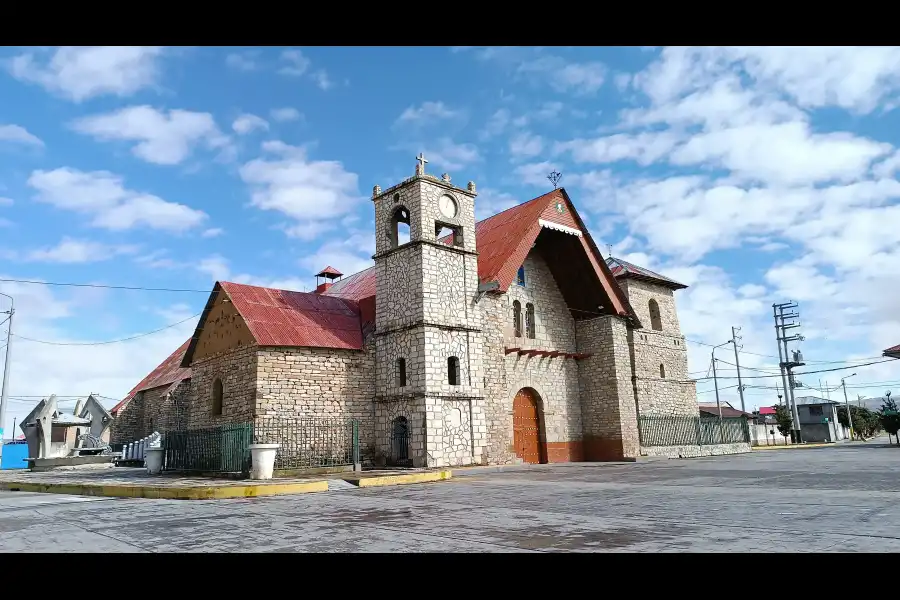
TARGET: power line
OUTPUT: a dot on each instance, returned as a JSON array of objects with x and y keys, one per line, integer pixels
[
  {"x": 810, "y": 362},
  {"x": 134, "y": 337},
  {"x": 807, "y": 372}
]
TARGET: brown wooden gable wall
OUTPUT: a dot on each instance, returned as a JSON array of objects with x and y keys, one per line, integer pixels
[{"x": 223, "y": 330}]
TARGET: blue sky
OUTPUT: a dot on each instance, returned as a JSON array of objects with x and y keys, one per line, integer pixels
[{"x": 753, "y": 175}]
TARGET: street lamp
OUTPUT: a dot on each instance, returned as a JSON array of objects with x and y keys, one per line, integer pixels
[
  {"x": 716, "y": 384},
  {"x": 847, "y": 403}
]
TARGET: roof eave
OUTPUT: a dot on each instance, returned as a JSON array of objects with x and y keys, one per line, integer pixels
[{"x": 672, "y": 285}]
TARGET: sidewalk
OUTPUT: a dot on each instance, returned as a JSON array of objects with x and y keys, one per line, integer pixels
[{"x": 124, "y": 482}]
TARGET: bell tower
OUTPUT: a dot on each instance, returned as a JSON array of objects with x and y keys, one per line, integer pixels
[{"x": 428, "y": 344}]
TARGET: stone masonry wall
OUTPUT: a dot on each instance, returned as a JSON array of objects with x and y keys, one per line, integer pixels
[
  {"x": 157, "y": 409},
  {"x": 666, "y": 391},
  {"x": 554, "y": 379},
  {"x": 608, "y": 409},
  {"x": 237, "y": 369},
  {"x": 694, "y": 451},
  {"x": 129, "y": 421},
  {"x": 319, "y": 383}
]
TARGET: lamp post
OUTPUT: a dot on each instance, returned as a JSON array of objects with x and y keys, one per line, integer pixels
[
  {"x": 847, "y": 403},
  {"x": 5, "y": 388},
  {"x": 716, "y": 384}
]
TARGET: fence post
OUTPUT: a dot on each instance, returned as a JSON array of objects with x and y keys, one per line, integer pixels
[{"x": 357, "y": 465}]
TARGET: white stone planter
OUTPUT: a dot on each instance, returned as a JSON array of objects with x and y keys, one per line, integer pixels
[
  {"x": 262, "y": 457},
  {"x": 154, "y": 460}
]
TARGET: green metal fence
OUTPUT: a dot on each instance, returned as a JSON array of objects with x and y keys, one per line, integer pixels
[
  {"x": 692, "y": 431},
  {"x": 309, "y": 443},
  {"x": 222, "y": 449}
]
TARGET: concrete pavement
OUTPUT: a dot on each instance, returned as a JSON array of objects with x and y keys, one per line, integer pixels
[{"x": 840, "y": 498}]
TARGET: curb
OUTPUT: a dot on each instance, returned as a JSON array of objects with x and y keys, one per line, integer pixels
[
  {"x": 795, "y": 446},
  {"x": 168, "y": 493},
  {"x": 386, "y": 480}
]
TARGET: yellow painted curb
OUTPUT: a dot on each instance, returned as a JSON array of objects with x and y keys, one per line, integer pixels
[
  {"x": 402, "y": 479},
  {"x": 168, "y": 493},
  {"x": 793, "y": 447}
]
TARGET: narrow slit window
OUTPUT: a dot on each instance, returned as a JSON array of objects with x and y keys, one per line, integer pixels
[
  {"x": 453, "y": 370},
  {"x": 662, "y": 371},
  {"x": 217, "y": 397},
  {"x": 517, "y": 318},
  {"x": 529, "y": 320},
  {"x": 655, "y": 318},
  {"x": 401, "y": 372},
  {"x": 520, "y": 276}
]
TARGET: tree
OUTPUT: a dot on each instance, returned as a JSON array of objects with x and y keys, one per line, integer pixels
[
  {"x": 866, "y": 423},
  {"x": 783, "y": 419},
  {"x": 890, "y": 418}
]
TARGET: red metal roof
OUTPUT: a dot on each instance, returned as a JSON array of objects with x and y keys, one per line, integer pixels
[
  {"x": 329, "y": 270},
  {"x": 285, "y": 318},
  {"x": 893, "y": 351},
  {"x": 355, "y": 287},
  {"x": 167, "y": 373},
  {"x": 767, "y": 410},
  {"x": 727, "y": 411}
]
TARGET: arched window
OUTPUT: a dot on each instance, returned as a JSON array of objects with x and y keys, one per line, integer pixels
[
  {"x": 399, "y": 440},
  {"x": 401, "y": 372},
  {"x": 520, "y": 276},
  {"x": 529, "y": 320},
  {"x": 655, "y": 319},
  {"x": 453, "y": 370},
  {"x": 517, "y": 318},
  {"x": 662, "y": 371},
  {"x": 217, "y": 393},
  {"x": 398, "y": 231}
]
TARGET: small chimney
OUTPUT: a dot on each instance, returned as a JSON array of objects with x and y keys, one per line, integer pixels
[{"x": 329, "y": 274}]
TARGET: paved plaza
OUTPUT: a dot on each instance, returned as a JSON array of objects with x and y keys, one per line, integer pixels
[{"x": 837, "y": 499}]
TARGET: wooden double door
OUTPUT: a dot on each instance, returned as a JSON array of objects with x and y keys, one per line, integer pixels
[{"x": 527, "y": 427}]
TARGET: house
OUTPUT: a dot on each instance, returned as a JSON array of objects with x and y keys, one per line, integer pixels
[
  {"x": 727, "y": 411},
  {"x": 892, "y": 352},
  {"x": 818, "y": 419},
  {"x": 510, "y": 339}
]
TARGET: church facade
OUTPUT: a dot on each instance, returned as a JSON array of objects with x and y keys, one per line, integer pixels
[{"x": 510, "y": 339}]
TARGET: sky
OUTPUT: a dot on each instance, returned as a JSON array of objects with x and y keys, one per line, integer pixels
[{"x": 752, "y": 175}]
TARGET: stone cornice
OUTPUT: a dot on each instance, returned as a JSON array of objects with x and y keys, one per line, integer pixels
[{"x": 414, "y": 243}]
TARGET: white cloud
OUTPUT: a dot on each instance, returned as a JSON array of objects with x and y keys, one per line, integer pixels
[
  {"x": 349, "y": 255},
  {"x": 309, "y": 192},
  {"x": 44, "y": 313},
  {"x": 82, "y": 72},
  {"x": 447, "y": 154},
  {"x": 285, "y": 114},
  {"x": 104, "y": 197},
  {"x": 323, "y": 80},
  {"x": 6, "y": 201},
  {"x": 526, "y": 145},
  {"x": 490, "y": 202},
  {"x": 294, "y": 63},
  {"x": 428, "y": 112},
  {"x": 73, "y": 251},
  {"x": 536, "y": 174},
  {"x": 243, "y": 61},
  {"x": 20, "y": 135},
  {"x": 212, "y": 232},
  {"x": 566, "y": 76},
  {"x": 248, "y": 123},
  {"x": 162, "y": 138}
]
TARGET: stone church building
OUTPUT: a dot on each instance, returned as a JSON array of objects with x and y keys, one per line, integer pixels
[{"x": 509, "y": 339}]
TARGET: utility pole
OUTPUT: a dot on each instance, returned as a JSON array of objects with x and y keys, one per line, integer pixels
[
  {"x": 781, "y": 327},
  {"x": 847, "y": 405},
  {"x": 5, "y": 389},
  {"x": 737, "y": 363},
  {"x": 716, "y": 384}
]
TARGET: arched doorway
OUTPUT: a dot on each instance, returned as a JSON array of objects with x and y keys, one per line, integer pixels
[{"x": 527, "y": 427}]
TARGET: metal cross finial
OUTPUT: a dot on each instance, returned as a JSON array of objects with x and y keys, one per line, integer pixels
[
  {"x": 554, "y": 178},
  {"x": 422, "y": 160}
]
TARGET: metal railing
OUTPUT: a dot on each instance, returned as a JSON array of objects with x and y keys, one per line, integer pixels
[
  {"x": 307, "y": 443},
  {"x": 692, "y": 431},
  {"x": 222, "y": 449}
]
